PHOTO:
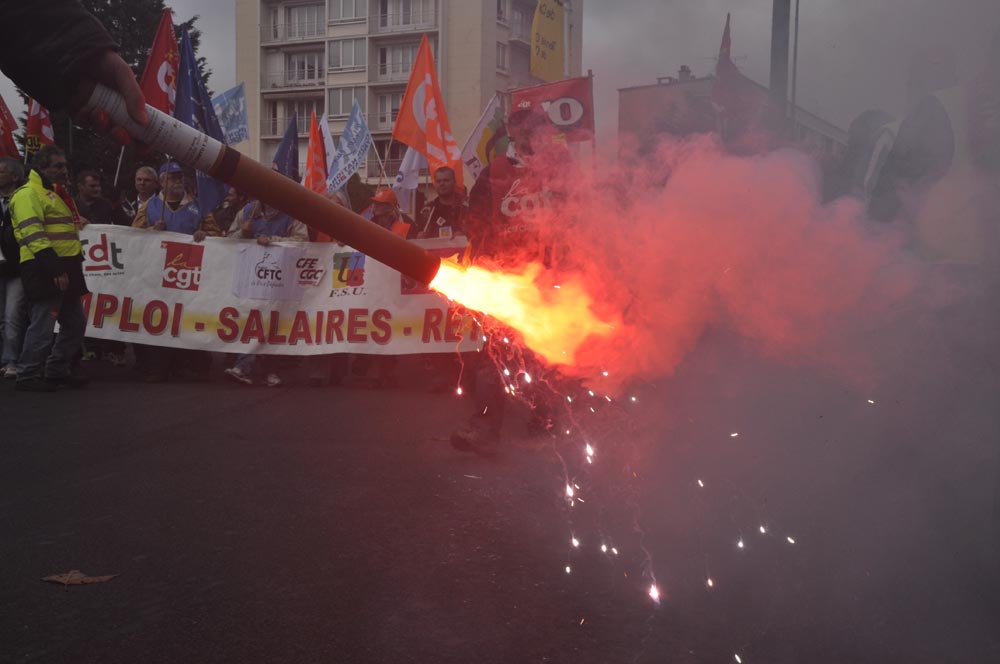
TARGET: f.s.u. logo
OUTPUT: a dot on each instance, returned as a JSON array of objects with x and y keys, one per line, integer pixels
[{"x": 348, "y": 270}]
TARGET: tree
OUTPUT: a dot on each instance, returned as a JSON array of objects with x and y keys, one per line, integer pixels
[{"x": 132, "y": 24}]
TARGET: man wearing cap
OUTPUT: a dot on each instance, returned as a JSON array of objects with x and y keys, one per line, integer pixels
[
  {"x": 174, "y": 210},
  {"x": 386, "y": 213}
]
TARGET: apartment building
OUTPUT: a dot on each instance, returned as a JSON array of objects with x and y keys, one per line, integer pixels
[{"x": 299, "y": 56}]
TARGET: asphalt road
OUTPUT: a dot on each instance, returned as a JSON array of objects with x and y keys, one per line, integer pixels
[{"x": 336, "y": 524}]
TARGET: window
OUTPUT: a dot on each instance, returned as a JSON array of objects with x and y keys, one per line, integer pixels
[
  {"x": 396, "y": 61},
  {"x": 348, "y": 54},
  {"x": 502, "y": 56},
  {"x": 348, "y": 10},
  {"x": 388, "y": 109},
  {"x": 304, "y": 108},
  {"x": 502, "y": 15},
  {"x": 304, "y": 21},
  {"x": 342, "y": 99},
  {"x": 303, "y": 68},
  {"x": 521, "y": 23},
  {"x": 273, "y": 29}
]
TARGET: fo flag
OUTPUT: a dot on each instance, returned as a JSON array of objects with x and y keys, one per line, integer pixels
[
  {"x": 194, "y": 108},
  {"x": 568, "y": 104},
  {"x": 159, "y": 78},
  {"x": 423, "y": 123},
  {"x": 355, "y": 143},
  {"x": 8, "y": 146},
  {"x": 38, "y": 130},
  {"x": 286, "y": 157},
  {"x": 487, "y": 140}
]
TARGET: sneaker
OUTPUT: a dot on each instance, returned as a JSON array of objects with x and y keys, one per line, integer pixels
[
  {"x": 73, "y": 382},
  {"x": 35, "y": 385},
  {"x": 273, "y": 380},
  {"x": 236, "y": 374},
  {"x": 471, "y": 439},
  {"x": 10, "y": 372}
]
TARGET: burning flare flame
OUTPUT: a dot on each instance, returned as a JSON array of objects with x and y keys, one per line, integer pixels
[{"x": 554, "y": 321}]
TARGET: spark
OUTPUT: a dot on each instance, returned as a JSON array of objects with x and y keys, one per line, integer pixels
[
  {"x": 485, "y": 339},
  {"x": 575, "y": 542},
  {"x": 458, "y": 391},
  {"x": 557, "y": 286},
  {"x": 506, "y": 372},
  {"x": 506, "y": 340},
  {"x": 592, "y": 409},
  {"x": 604, "y": 548},
  {"x": 701, "y": 484},
  {"x": 569, "y": 399},
  {"x": 576, "y": 485},
  {"x": 739, "y": 544},
  {"x": 633, "y": 399},
  {"x": 569, "y": 491},
  {"x": 590, "y": 460},
  {"x": 527, "y": 378},
  {"x": 589, "y": 450},
  {"x": 709, "y": 582},
  {"x": 734, "y": 434},
  {"x": 605, "y": 373},
  {"x": 581, "y": 620},
  {"x": 568, "y": 570},
  {"x": 763, "y": 530},
  {"x": 790, "y": 540},
  {"x": 654, "y": 593},
  {"x": 871, "y": 402},
  {"x": 608, "y": 398},
  {"x": 567, "y": 432},
  {"x": 614, "y": 551},
  {"x": 590, "y": 392},
  {"x": 738, "y": 660}
]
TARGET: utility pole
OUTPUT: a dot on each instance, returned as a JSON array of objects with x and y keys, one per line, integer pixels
[{"x": 781, "y": 15}]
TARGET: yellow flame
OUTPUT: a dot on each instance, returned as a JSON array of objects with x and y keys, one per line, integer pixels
[{"x": 553, "y": 322}]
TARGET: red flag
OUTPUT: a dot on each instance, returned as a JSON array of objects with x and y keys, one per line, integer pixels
[
  {"x": 8, "y": 146},
  {"x": 422, "y": 122},
  {"x": 738, "y": 101},
  {"x": 159, "y": 78},
  {"x": 316, "y": 171},
  {"x": 569, "y": 105},
  {"x": 38, "y": 130}
]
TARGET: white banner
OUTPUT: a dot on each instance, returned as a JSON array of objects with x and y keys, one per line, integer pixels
[{"x": 235, "y": 296}]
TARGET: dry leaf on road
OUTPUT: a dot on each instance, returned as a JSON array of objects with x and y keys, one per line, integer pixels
[{"x": 77, "y": 578}]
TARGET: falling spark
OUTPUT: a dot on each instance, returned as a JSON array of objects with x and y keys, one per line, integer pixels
[
  {"x": 458, "y": 391},
  {"x": 605, "y": 373},
  {"x": 527, "y": 378},
  {"x": 485, "y": 339},
  {"x": 608, "y": 398},
  {"x": 506, "y": 340},
  {"x": 506, "y": 372},
  {"x": 654, "y": 593},
  {"x": 589, "y": 450},
  {"x": 633, "y": 399},
  {"x": 567, "y": 569},
  {"x": 581, "y": 620},
  {"x": 567, "y": 432},
  {"x": 576, "y": 485},
  {"x": 733, "y": 435},
  {"x": 871, "y": 402},
  {"x": 604, "y": 548},
  {"x": 739, "y": 544},
  {"x": 763, "y": 530},
  {"x": 701, "y": 484},
  {"x": 790, "y": 540},
  {"x": 557, "y": 286},
  {"x": 590, "y": 392},
  {"x": 590, "y": 460},
  {"x": 592, "y": 409},
  {"x": 709, "y": 582},
  {"x": 569, "y": 399},
  {"x": 738, "y": 660},
  {"x": 614, "y": 551},
  {"x": 575, "y": 542},
  {"x": 569, "y": 491}
]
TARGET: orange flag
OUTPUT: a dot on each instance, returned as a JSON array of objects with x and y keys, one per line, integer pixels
[
  {"x": 316, "y": 172},
  {"x": 423, "y": 123}
]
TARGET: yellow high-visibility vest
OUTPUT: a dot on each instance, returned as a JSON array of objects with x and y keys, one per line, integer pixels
[{"x": 42, "y": 220}]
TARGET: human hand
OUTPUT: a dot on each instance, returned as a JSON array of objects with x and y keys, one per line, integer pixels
[
  {"x": 160, "y": 226},
  {"x": 263, "y": 240},
  {"x": 61, "y": 282},
  {"x": 198, "y": 235},
  {"x": 82, "y": 222},
  {"x": 109, "y": 68},
  {"x": 247, "y": 230}
]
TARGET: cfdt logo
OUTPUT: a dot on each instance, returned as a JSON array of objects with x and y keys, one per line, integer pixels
[
  {"x": 348, "y": 270},
  {"x": 103, "y": 258},
  {"x": 182, "y": 266},
  {"x": 309, "y": 271}
]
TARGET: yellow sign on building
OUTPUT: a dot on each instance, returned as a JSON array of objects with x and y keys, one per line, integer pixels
[{"x": 548, "y": 47}]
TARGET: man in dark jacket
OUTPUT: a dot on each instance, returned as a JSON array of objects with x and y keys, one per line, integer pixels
[
  {"x": 52, "y": 273},
  {"x": 13, "y": 305}
]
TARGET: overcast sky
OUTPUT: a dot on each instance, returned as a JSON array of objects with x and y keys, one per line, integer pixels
[{"x": 853, "y": 54}]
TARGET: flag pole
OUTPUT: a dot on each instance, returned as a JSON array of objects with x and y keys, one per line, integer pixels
[{"x": 118, "y": 168}]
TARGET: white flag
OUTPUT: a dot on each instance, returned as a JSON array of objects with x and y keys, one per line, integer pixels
[
  {"x": 407, "y": 179},
  {"x": 490, "y": 122}
]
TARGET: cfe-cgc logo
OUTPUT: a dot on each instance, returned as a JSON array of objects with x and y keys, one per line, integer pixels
[
  {"x": 348, "y": 274},
  {"x": 103, "y": 258},
  {"x": 309, "y": 271},
  {"x": 182, "y": 266}
]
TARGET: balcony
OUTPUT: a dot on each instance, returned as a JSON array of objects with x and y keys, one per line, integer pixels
[
  {"x": 293, "y": 32},
  {"x": 382, "y": 121},
  {"x": 413, "y": 21},
  {"x": 275, "y": 127},
  {"x": 296, "y": 79},
  {"x": 390, "y": 72},
  {"x": 520, "y": 31}
]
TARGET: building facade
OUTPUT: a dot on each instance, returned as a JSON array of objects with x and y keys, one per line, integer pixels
[{"x": 300, "y": 56}]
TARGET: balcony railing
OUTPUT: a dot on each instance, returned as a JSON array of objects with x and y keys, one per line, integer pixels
[
  {"x": 382, "y": 121},
  {"x": 391, "y": 167},
  {"x": 311, "y": 78},
  {"x": 275, "y": 127},
  {"x": 521, "y": 31},
  {"x": 281, "y": 32},
  {"x": 391, "y": 72},
  {"x": 404, "y": 21}
]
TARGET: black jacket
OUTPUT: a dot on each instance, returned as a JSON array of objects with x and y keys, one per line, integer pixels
[{"x": 11, "y": 250}]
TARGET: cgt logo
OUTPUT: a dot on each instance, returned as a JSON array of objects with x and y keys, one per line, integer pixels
[
  {"x": 348, "y": 270},
  {"x": 309, "y": 271},
  {"x": 103, "y": 257},
  {"x": 182, "y": 266}
]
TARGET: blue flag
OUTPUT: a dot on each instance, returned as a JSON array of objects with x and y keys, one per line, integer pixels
[
  {"x": 355, "y": 143},
  {"x": 231, "y": 109},
  {"x": 194, "y": 108},
  {"x": 286, "y": 159}
]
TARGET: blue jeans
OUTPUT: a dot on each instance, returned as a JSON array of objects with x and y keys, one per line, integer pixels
[
  {"x": 14, "y": 315},
  {"x": 39, "y": 351}
]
